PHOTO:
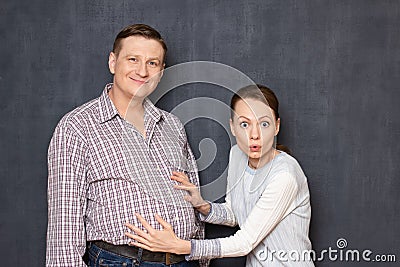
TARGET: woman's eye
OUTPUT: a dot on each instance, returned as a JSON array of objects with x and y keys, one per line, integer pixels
[
  {"x": 244, "y": 124},
  {"x": 264, "y": 124}
]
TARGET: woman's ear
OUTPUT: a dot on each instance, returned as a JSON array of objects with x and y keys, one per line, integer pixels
[
  {"x": 277, "y": 126},
  {"x": 232, "y": 128}
]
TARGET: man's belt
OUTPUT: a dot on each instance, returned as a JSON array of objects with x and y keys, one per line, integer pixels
[{"x": 133, "y": 252}]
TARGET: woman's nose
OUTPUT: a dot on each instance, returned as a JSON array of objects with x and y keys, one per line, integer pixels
[{"x": 254, "y": 133}]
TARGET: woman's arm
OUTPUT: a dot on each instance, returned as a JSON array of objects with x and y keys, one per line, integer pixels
[{"x": 273, "y": 205}]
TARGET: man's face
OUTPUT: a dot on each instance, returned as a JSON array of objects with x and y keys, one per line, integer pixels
[{"x": 137, "y": 67}]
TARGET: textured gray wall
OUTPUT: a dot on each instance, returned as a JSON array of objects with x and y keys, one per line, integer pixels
[{"x": 335, "y": 65}]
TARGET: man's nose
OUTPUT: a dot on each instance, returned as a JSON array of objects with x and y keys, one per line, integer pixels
[{"x": 141, "y": 69}]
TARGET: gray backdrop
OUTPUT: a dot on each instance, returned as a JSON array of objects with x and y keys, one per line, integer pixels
[{"x": 335, "y": 65}]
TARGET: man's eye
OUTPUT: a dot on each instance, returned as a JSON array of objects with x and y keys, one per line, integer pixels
[
  {"x": 153, "y": 64},
  {"x": 133, "y": 59},
  {"x": 244, "y": 124},
  {"x": 264, "y": 124}
]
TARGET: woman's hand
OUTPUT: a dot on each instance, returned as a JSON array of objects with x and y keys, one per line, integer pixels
[
  {"x": 154, "y": 240},
  {"x": 194, "y": 196}
]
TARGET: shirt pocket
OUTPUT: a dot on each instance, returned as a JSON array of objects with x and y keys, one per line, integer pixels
[
  {"x": 174, "y": 151},
  {"x": 176, "y": 157}
]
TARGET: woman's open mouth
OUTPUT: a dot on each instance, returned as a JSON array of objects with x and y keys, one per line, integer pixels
[{"x": 255, "y": 148}]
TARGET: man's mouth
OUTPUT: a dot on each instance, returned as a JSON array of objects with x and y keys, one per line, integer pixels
[{"x": 139, "y": 81}]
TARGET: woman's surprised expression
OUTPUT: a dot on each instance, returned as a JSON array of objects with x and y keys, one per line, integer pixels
[{"x": 254, "y": 126}]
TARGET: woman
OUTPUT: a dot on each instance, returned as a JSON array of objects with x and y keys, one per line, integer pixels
[{"x": 267, "y": 195}]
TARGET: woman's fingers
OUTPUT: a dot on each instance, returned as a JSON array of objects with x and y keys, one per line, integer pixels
[
  {"x": 137, "y": 238},
  {"x": 154, "y": 240},
  {"x": 145, "y": 223},
  {"x": 192, "y": 190},
  {"x": 137, "y": 230},
  {"x": 140, "y": 245},
  {"x": 141, "y": 237},
  {"x": 163, "y": 223},
  {"x": 180, "y": 177},
  {"x": 185, "y": 187}
]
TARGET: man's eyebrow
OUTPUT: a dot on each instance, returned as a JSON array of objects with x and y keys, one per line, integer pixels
[
  {"x": 151, "y": 58},
  {"x": 154, "y": 58}
]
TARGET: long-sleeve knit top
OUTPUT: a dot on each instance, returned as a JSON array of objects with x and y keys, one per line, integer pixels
[{"x": 271, "y": 205}]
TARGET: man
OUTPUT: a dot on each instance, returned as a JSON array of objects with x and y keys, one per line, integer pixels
[{"x": 113, "y": 157}]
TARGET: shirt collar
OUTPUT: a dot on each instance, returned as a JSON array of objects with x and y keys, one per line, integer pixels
[
  {"x": 152, "y": 110},
  {"x": 108, "y": 110}
]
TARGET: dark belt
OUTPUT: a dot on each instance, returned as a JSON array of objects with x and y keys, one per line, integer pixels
[{"x": 133, "y": 252}]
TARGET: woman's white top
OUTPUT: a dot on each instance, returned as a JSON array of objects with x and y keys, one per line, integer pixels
[{"x": 271, "y": 205}]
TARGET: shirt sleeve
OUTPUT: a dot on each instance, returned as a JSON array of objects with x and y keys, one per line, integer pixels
[
  {"x": 66, "y": 236},
  {"x": 270, "y": 209}
]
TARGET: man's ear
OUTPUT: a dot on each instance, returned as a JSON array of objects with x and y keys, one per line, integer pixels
[
  {"x": 277, "y": 126},
  {"x": 112, "y": 58},
  {"x": 162, "y": 70},
  {"x": 232, "y": 128}
]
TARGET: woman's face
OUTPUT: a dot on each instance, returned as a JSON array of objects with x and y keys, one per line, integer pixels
[{"x": 254, "y": 126}]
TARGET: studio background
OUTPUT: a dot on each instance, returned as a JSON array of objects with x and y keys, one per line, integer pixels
[{"x": 334, "y": 65}]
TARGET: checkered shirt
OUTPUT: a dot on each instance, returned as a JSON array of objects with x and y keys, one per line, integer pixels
[{"x": 101, "y": 171}]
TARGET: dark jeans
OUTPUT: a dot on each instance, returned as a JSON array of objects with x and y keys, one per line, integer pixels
[{"x": 102, "y": 258}]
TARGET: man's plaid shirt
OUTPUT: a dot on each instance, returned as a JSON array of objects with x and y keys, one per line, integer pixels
[{"x": 101, "y": 171}]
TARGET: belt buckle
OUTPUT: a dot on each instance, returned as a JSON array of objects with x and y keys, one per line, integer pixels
[{"x": 167, "y": 258}]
